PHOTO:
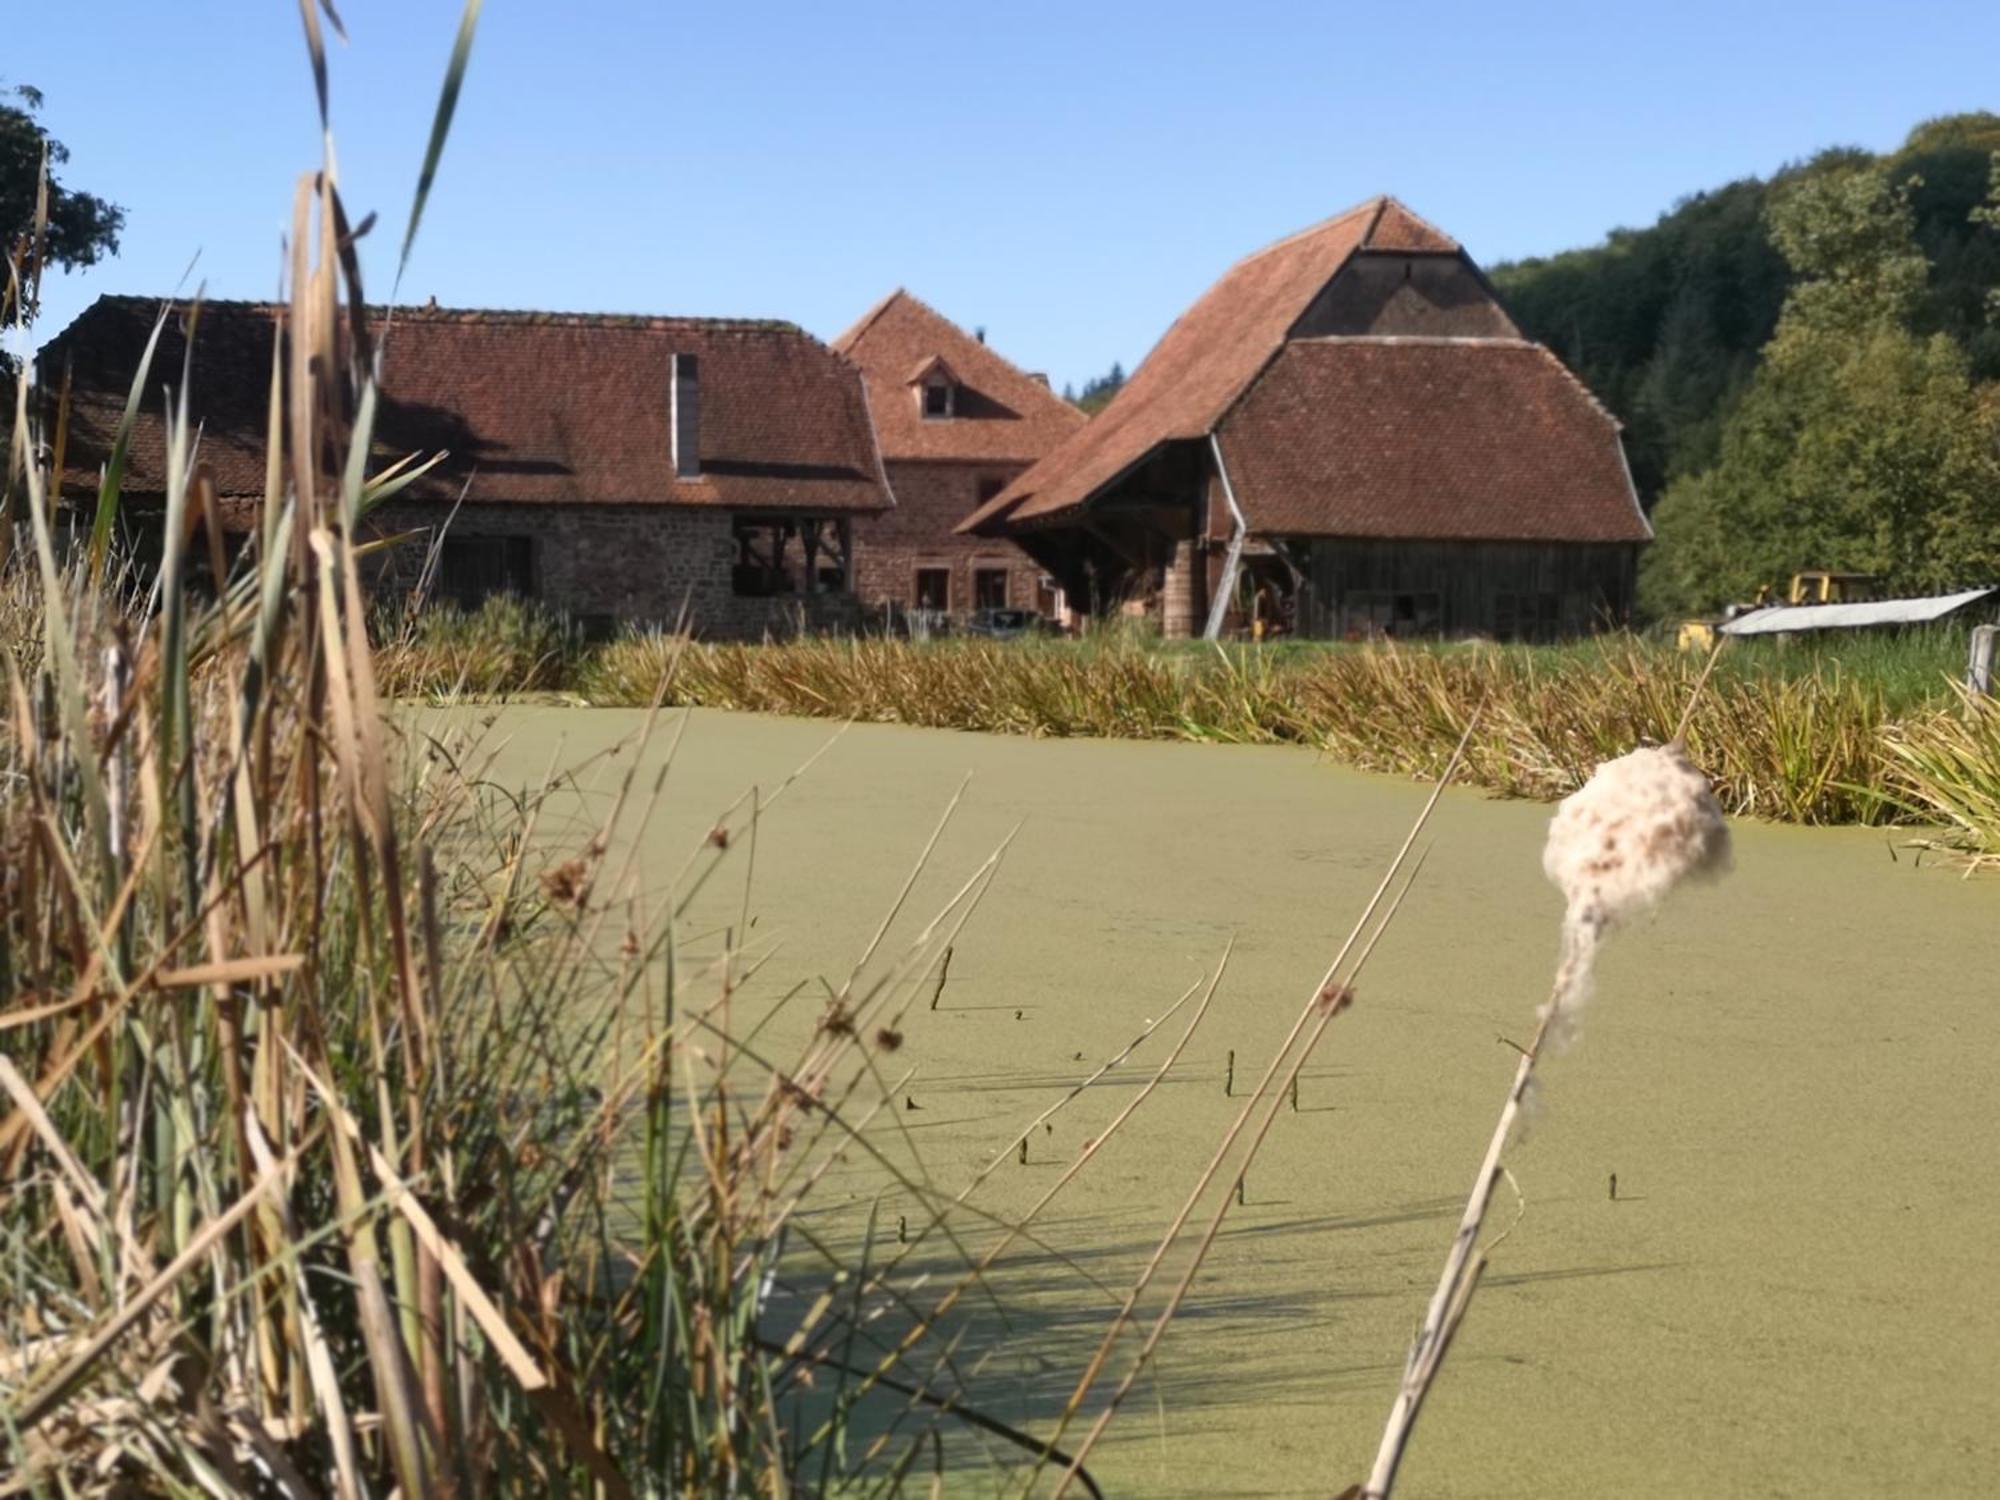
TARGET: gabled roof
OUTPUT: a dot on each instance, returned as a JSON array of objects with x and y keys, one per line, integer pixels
[
  {"x": 1001, "y": 414},
  {"x": 532, "y": 407},
  {"x": 1427, "y": 439},
  {"x": 1210, "y": 354},
  {"x": 931, "y": 364},
  {"x": 1206, "y": 360}
]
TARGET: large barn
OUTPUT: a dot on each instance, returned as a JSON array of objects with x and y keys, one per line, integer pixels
[{"x": 1348, "y": 437}]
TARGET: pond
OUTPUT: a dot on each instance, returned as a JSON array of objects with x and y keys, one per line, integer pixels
[{"x": 1790, "y": 1073}]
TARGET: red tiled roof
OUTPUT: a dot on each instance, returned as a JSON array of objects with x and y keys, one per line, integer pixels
[
  {"x": 1397, "y": 229},
  {"x": 1001, "y": 414},
  {"x": 1431, "y": 439},
  {"x": 1206, "y": 359},
  {"x": 531, "y": 407}
]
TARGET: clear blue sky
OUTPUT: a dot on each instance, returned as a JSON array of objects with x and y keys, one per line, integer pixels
[{"x": 1068, "y": 175}]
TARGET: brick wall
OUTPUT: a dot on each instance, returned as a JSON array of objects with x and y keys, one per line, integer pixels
[
  {"x": 632, "y": 564},
  {"x": 932, "y": 498}
]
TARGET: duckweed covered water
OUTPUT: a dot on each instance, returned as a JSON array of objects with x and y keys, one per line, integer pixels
[{"x": 1791, "y": 1074}]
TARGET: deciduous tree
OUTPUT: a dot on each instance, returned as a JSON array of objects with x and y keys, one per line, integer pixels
[
  {"x": 83, "y": 228},
  {"x": 1859, "y": 445}
]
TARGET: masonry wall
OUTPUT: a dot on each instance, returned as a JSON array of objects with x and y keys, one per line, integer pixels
[
  {"x": 931, "y": 499},
  {"x": 623, "y": 565}
]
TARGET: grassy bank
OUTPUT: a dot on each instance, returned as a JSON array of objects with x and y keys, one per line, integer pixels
[{"x": 1869, "y": 730}]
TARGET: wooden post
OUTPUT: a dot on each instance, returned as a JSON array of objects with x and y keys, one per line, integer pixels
[
  {"x": 1979, "y": 665},
  {"x": 809, "y": 539}
]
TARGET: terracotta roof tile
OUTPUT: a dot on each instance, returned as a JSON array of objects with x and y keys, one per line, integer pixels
[
  {"x": 532, "y": 407},
  {"x": 1199, "y": 366},
  {"x": 1397, "y": 229},
  {"x": 1002, "y": 415},
  {"x": 1432, "y": 439}
]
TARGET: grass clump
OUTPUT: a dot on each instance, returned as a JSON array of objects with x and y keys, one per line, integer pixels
[
  {"x": 1947, "y": 768},
  {"x": 507, "y": 645}
]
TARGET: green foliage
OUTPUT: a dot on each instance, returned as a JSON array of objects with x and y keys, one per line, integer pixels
[
  {"x": 1099, "y": 389},
  {"x": 1665, "y": 323},
  {"x": 1848, "y": 238},
  {"x": 1861, "y": 445},
  {"x": 83, "y": 228}
]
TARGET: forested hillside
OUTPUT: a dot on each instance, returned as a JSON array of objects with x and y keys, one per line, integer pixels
[{"x": 1670, "y": 326}]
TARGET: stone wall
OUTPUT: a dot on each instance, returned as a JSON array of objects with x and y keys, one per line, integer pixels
[
  {"x": 607, "y": 565},
  {"x": 931, "y": 499}
]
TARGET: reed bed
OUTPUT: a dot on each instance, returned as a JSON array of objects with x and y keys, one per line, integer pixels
[
  {"x": 1794, "y": 739},
  {"x": 505, "y": 646}
]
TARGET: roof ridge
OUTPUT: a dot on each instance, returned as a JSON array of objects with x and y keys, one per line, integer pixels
[
  {"x": 958, "y": 328},
  {"x": 490, "y": 316},
  {"x": 904, "y": 294},
  {"x": 1390, "y": 200},
  {"x": 1280, "y": 243},
  {"x": 852, "y": 335},
  {"x": 1506, "y": 340}
]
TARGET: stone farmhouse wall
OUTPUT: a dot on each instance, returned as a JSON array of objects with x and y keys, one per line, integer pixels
[
  {"x": 932, "y": 497},
  {"x": 638, "y": 565}
]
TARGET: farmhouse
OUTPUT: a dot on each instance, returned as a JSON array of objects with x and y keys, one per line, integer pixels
[
  {"x": 956, "y": 423},
  {"x": 1346, "y": 436},
  {"x": 624, "y": 469}
]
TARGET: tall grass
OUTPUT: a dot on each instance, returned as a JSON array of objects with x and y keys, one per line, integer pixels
[
  {"x": 507, "y": 645},
  {"x": 1805, "y": 741},
  {"x": 1948, "y": 769}
]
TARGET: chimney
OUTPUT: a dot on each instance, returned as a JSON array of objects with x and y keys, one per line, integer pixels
[
  {"x": 686, "y": 416},
  {"x": 1040, "y": 377}
]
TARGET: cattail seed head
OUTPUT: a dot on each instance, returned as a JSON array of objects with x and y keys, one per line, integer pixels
[
  {"x": 1640, "y": 826},
  {"x": 1643, "y": 824}
]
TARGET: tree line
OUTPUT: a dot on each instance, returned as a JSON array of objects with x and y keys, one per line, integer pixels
[{"x": 1808, "y": 367}]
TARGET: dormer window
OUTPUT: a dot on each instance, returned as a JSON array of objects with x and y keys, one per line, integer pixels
[{"x": 936, "y": 388}]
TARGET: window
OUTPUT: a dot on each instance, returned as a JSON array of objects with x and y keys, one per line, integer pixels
[
  {"x": 989, "y": 588},
  {"x": 937, "y": 399},
  {"x": 934, "y": 589},
  {"x": 762, "y": 568},
  {"x": 1367, "y": 615},
  {"x": 471, "y": 569}
]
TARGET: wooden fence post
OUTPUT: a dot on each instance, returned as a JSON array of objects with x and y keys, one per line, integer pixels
[{"x": 1979, "y": 665}]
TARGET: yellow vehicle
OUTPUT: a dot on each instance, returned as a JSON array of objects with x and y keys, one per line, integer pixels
[
  {"x": 1814, "y": 586},
  {"x": 1695, "y": 635},
  {"x": 1820, "y": 587}
]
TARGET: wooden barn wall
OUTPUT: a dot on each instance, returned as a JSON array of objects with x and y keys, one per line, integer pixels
[
  {"x": 1506, "y": 590},
  {"x": 1439, "y": 296}
]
